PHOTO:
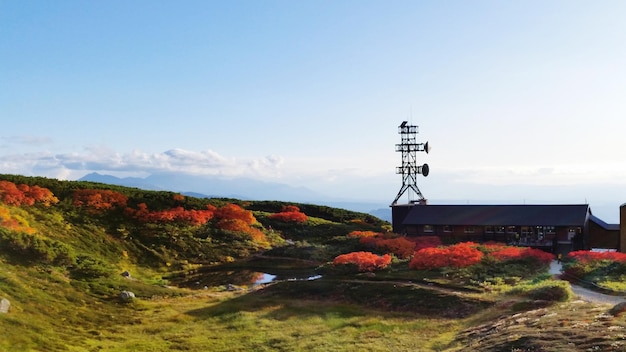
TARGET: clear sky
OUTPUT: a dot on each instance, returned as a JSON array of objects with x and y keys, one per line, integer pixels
[{"x": 522, "y": 101}]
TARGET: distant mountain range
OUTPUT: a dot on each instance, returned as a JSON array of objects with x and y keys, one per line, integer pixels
[{"x": 237, "y": 188}]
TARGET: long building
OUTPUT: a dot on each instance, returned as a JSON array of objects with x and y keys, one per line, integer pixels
[{"x": 554, "y": 228}]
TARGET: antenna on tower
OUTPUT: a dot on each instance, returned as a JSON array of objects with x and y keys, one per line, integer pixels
[{"x": 409, "y": 170}]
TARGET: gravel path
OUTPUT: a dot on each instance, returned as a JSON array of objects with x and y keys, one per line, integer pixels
[{"x": 587, "y": 294}]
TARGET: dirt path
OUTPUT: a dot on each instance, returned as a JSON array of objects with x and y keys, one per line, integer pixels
[{"x": 587, "y": 294}]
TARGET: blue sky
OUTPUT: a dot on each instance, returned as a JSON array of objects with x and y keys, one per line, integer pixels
[{"x": 522, "y": 101}]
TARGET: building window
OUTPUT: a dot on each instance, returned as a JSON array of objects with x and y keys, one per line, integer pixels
[
  {"x": 469, "y": 229},
  {"x": 428, "y": 228},
  {"x": 500, "y": 229},
  {"x": 511, "y": 229},
  {"x": 489, "y": 229},
  {"x": 572, "y": 231},
  {"x": 550, "y": 230},
  {"x": 447, "y": 228}
]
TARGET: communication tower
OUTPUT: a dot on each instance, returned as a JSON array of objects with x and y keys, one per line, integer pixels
[{"x": 409, "y": 170}]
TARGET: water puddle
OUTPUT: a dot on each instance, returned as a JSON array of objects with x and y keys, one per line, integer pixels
[{"x": 220, "y": 276}]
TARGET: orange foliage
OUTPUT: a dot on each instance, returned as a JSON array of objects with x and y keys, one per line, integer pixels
[
  {"x": 178, "y": 214},
  {"x": 503, "y": 252},
  {"x": 589, "y": 257},
  {"x": 290, "y": 213},
  {"x": 290, "y": 209},
  {"x": 399, "y": 246},
  {"x": 366, "y": 261},
  {"x": 99, "y": 199},
  {"x": 458, "y": 256},
  {"x": 232, "y": 217},
  {"x": 233, "y": 211},
  {"x": 22, "y": 194},
  {"x": 235, "y": 225},
  {"x": 13, "y": 223},
  {"x": 426, "y": 242},
  {"x": 362, "y": 234}
]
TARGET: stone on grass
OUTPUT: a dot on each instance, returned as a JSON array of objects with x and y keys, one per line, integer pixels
[
  {"x": 127, "y": 296},
  {"x": 618, "y": 309},
  {"x": 5, "y": 305}
]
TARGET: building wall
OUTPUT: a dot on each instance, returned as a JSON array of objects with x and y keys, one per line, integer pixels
[
  {"x": 561, "y": 239},
  {"x": 602, "y": 238},
  {"x": 622, "y": 228},
  {"x": 398, "y": 214}
]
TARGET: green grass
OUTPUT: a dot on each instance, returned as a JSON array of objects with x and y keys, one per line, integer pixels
[
  {"x": 255, "y": 322},
  {"x": 50, "y": 312},
  {"x": 63, "y": 281}
]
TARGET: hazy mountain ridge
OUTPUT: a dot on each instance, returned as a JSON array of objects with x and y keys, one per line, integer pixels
[{"x": 238, "y": 188}]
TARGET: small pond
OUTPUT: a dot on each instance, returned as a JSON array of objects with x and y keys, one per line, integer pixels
[{"x": 242, "y": 274}]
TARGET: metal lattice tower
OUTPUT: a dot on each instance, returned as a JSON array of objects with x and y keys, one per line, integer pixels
[{"x": 409, "y": 169}]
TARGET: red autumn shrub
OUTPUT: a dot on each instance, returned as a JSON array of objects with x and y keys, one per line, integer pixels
[
  {"x": 99, "y": 199},
  {"x": 457, "y": 256},
  {"x": 505, "y": 253},
  {"x": 366, "y": 261},
  {"x": 426, "y": 241},
  {"x": 22, "y": 194},
  {"x": 232, "y": 217},
  {"x": 399, "y": 246},
  {"x": 588, "y": 256},
  {"x": 361, "y": 234},
  {"x": 233, "y": 211},
  {"x": 178, "y": 214},
  {"x": 290, "y": 213}
]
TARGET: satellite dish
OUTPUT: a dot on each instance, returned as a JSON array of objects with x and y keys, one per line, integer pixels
[
  {"x": 426, "y": 148},
  {"x": 425, "y": 170}
]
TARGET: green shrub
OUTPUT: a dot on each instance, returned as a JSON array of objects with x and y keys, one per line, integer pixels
[
  {"x": 547, "y": 290},
  {"x": 35, "y": 248},
  {"x": 90, "y": 268}
]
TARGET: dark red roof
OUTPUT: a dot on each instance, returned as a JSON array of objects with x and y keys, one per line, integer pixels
[{"x": 498, "y": 215}]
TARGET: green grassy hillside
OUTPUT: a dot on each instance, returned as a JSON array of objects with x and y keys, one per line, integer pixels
[{"x": 68, "y": 249}]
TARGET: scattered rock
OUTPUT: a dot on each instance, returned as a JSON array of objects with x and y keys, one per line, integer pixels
[
  {"x": 618, "y": 309},
  {"x": 126, "y": 274},
  {"x": 231, "y": 287},
  {"x": 127, "y": 296},
  {"x": 5, "y": 305}
]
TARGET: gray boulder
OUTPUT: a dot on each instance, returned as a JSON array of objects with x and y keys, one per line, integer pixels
[
  {"x": 5, "y": 305},
  {"x": 127, "y": 296}
]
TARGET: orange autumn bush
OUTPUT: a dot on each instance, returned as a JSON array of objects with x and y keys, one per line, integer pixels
[
  {"x": 399, "y": 246},
  {"x": 178, "y": 214},
  {"x": 22, "y": 194},
  {"x": 362, "y": 234},
  {"x": 365, "y": 261},
  {"x": 506, "y": 253},
  {"x": 426, "y": 242},
  {"x": 456, "y": 256},
  {"x": 14, "y": 222},
  {"x": 98, "y": 200},
  {"x": 232, "y": 217},
  {"x": 290, "y": 213}
]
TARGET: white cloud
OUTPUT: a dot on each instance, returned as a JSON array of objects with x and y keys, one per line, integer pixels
[{"x": 105, "y": 160}]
